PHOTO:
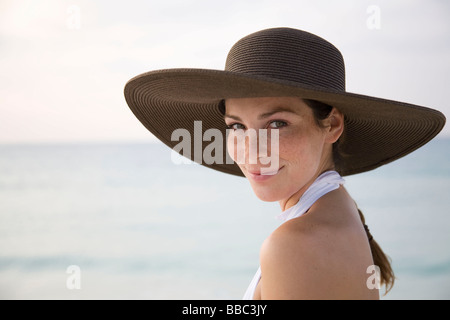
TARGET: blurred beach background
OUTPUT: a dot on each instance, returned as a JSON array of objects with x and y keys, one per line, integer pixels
[{"x": 82, "y": 183}]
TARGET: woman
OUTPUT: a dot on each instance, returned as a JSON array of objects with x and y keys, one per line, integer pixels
[{"x": 286, "y": 87}]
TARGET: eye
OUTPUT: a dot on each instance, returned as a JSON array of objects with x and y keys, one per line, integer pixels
[
  {"x": 236, "y": 126},
  {"x": 277, "y": 124}
]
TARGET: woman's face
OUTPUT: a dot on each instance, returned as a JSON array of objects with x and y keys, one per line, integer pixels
[{"x": 303, "y": 150}]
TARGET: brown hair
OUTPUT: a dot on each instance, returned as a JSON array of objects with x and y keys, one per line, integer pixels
[{"x": 321, "y": 111}]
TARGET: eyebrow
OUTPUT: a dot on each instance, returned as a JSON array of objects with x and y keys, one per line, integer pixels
[{"x": 264, "y": 115}]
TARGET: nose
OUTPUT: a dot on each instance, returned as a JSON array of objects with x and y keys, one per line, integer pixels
[{"x": 249, "y": 146}]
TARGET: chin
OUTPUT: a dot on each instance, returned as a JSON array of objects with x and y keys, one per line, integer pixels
[{"x": 267, "y": 194}]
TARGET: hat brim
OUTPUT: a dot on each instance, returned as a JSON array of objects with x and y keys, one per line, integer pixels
[{"x": 376, "y": 131}]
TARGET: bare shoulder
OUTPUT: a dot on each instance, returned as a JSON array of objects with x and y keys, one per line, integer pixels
[
  {"x": 313, "y": 258},
  {"x": 293, "y": 264}
]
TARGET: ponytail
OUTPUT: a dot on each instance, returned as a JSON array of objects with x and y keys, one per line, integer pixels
[{"x": 380, "y": 259}]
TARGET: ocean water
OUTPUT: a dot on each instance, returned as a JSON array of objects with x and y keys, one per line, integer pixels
[{"x": 137, "y": 226}]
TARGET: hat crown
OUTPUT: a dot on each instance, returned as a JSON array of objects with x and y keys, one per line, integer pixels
[{"x": 289, "y": 54}]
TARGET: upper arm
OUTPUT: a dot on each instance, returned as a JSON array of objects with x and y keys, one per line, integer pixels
[{"x": 295, "y": 265}]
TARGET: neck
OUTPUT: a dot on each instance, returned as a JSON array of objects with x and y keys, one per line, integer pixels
[{"x": 293, "y": 199}]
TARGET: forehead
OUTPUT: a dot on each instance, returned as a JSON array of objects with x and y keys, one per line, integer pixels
[{"x": 266, "y": 104}]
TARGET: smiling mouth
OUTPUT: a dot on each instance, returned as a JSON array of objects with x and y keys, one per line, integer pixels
[{"x": 261, "y": 174}]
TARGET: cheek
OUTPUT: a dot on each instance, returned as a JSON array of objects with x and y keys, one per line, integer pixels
[
  {"x": 231, "y": 146},
  {"x": 301, "y": 150},
  {"x": 236, "y": 150}
]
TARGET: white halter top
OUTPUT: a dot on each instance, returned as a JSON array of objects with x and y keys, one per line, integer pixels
[{"x": 326, "y": 182}]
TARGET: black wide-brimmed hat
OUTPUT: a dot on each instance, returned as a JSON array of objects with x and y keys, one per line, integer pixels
[{"x": 275, "y": 63}]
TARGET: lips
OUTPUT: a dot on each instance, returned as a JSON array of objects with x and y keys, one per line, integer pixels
[{"x": 262, "y": 174}]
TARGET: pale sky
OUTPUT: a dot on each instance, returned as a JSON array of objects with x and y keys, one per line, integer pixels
[{"x": 64, "y": 63}]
